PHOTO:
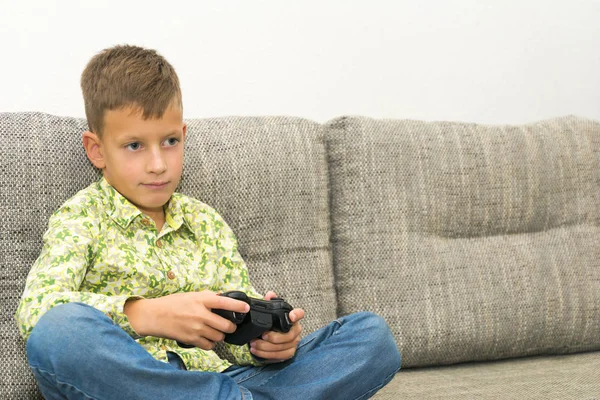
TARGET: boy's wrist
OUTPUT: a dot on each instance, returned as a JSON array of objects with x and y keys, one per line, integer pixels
[{"x": 137, "y": 311}]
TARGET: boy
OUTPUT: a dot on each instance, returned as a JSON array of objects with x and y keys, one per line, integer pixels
[{"x": 130, "y": 267}]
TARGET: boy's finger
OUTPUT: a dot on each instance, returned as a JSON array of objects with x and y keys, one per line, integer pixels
[
  {"x": 272, "y": 351},
  {"x": 270, "y": 295},
  {"x": 273, "y": 357},
  {"x": 265, "y": 346},
  {"x": 226, "y": 303},
  {"x": 296, "y": 314},
  {"x": 280, "y": 337}
]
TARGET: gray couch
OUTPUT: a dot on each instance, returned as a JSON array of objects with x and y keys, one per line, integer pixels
[{"x": 480, "y": 245}]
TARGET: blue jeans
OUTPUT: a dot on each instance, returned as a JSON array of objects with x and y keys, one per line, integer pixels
[{"x": 77, "y": 352}]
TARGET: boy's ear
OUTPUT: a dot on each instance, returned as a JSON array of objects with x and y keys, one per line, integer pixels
[
  {"x": 93, "y": 149},
  {"x": 184, "y": 130}
]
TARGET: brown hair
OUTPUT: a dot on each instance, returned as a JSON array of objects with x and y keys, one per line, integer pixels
[{"x": 123, "y": 76}]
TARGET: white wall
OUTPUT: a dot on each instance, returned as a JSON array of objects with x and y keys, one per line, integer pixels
[{"x": 495, "y": 61}]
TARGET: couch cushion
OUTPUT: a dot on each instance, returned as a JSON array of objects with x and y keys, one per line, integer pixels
[
  {"x": 41, "y": 165},
  {"x": 266, "y": 176},
  {"x": 575, "y": 376},
  {"x": 475, "y": 242}
]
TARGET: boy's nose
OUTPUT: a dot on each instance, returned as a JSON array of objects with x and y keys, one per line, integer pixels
[{"x": 157, "y": 163}]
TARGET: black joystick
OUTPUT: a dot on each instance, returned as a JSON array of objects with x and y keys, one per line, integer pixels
[{"x": 264, "y": 315}]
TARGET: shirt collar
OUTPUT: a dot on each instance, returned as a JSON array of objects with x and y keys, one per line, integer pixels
[
  {"x": 123, "y": 212},
  {"x": 174, "y": 214}
]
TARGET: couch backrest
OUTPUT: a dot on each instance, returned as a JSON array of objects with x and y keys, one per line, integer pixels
[
  {"x": 266, "y": 176},
  {"x": 41, "y": 165},
  {"x": 475, "y": 242}
]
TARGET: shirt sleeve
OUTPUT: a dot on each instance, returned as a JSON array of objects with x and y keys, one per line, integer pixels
[
  {"x": 233, "y": 275},
  {"x": 68, "y": 249}
]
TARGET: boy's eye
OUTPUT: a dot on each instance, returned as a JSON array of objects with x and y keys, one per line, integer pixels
[
  {"x": 133, "y": 146},
  {"x": 171, "y": 141}
]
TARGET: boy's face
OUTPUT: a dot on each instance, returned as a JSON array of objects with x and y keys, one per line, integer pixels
[{"x": 141, "y": 159}]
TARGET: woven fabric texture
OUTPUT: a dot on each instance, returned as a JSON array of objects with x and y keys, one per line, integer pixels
[
  {"x": 474, "y": 242},
  {"x": 266, "y": 176},
  {"x": 565, "y": 377}
]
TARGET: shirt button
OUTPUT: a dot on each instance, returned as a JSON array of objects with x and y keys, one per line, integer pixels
[
  {"x": 171, "y": 275},
  {"x": 159, "y": 243},
  {"x": 145, "y": 222}
]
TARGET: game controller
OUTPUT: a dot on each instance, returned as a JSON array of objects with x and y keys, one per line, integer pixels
[{"x": 264, "y": 315}]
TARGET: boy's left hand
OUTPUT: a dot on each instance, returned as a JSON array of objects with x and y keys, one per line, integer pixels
[{"x": 274, "y": 346}]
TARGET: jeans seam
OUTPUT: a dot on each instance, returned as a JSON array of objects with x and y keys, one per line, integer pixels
[
  {"x": 256, "y": 372},
  {"x": 245, "y": 392},
  {"x": 59, "y": 382},
  {"x": 307, "y": 342}
]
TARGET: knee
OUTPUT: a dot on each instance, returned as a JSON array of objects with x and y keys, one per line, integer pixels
[
  {"x": 379, "y": 338},
  {"x": 61, "y": 330}
]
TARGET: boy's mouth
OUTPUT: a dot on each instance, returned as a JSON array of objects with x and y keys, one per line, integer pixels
[{"x": 155, "y": 185}]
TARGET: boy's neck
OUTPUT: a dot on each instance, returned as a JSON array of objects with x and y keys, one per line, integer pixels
[{"x": 159, "y": 219}]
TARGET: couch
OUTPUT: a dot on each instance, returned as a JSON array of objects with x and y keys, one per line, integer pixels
[{"x": 479, "y": 244}]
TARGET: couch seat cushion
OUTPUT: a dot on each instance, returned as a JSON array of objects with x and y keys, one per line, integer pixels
[{"x": 574, "y": 376}]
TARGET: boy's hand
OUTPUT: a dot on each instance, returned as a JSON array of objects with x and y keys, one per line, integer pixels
[
  {"x": 185, "y": 317},
  {"x": 277, "y": 346}
]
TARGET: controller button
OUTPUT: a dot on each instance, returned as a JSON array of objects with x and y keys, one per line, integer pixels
[
  {"x": 239, "y": 316},
  {"x": 263, "y": 320}
]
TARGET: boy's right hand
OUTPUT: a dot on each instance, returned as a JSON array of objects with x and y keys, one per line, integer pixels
[{"x": 185, "y": 317}]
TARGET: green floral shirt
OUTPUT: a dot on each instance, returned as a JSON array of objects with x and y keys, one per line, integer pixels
[{"x": 101, "y": 250}]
